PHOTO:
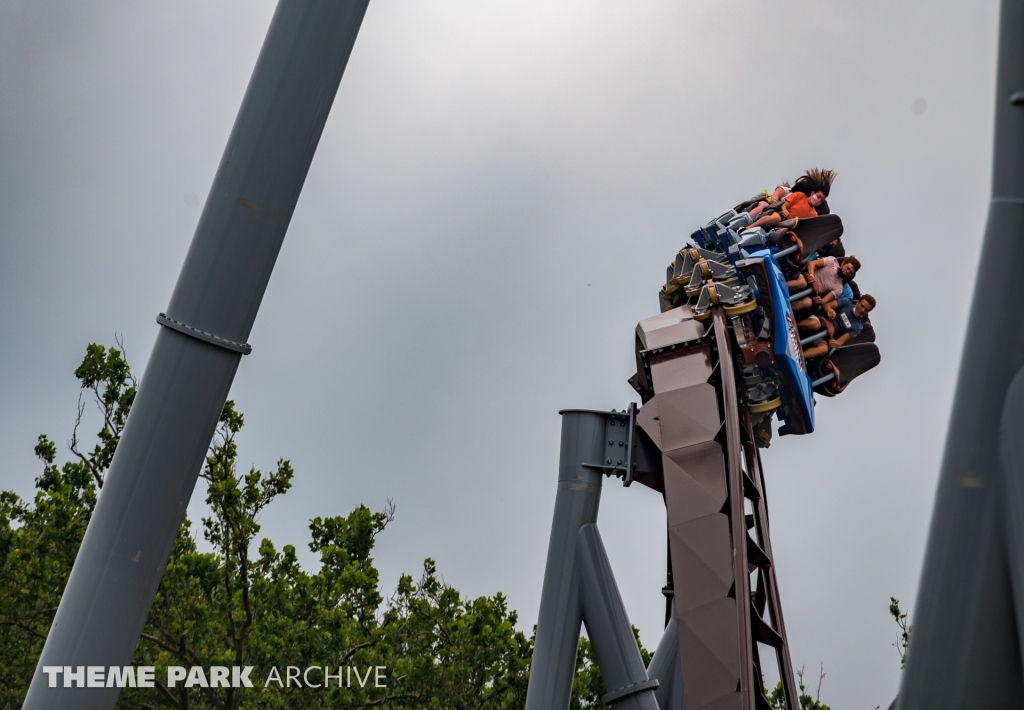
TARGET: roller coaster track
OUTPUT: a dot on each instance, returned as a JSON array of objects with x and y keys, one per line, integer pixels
[
  {"x": 694, "y": 442},
  {"x": 713, "y": 369},
  {"x": 711, "y": 476}
]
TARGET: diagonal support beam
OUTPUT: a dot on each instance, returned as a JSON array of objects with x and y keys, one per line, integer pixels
[
  {"x": 965, "y": 650},
  {"x": 608, "y": 627},
  {"x": 1012, "y": 444},
  {"x": 579, "y": 584},
  {"x": 666, "y": 668},
  {"x": 212, "y": 310},
  {"x": 561, "y": 613}
]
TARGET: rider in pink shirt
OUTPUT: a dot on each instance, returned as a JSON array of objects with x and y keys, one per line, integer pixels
[{"x": 827, "y": 276}]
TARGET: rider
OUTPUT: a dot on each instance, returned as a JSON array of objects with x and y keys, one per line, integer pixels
[
  {"x": 827, "y": 276},
  {"x": 808, "y": 193},
  {"x": 843, "y": 322}
]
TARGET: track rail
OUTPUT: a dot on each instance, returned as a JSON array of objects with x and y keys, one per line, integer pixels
[{"x": 701, "y": 423}]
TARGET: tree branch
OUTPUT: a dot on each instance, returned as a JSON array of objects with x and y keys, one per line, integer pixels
[
  {"x": 119, "y": 339},
  {"x": 167, "y": 693},
  {"x": 25, "y": 627},
  {"x": 73, "y": 445},
  {"x": 389, "y": 698},
  {"x": 354, "y": 649},
  {"x": 182, "y": 652}
]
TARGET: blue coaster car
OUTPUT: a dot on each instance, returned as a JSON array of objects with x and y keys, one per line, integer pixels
[
  {"x": 745, "y": 271},
  {"x": 760, "y": 269}
]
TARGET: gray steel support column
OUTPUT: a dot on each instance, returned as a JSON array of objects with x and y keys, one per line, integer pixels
[
  {"x": 1012, "y": 440},
  {"x": 965, "y": 650},
  {"x": 122, "y": 558},
  {"x": 560, "y": 616},
  {"x": 667, "y": 669},
  {"x": 611, "y": 635}
]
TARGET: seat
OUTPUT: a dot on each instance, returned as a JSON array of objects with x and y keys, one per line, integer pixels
[
  {"x": 866, "y": 335},
  {"x": 838, "y": 251},
  {"x": 852, "y": 361},
  {"x": 816, "y": 232}
]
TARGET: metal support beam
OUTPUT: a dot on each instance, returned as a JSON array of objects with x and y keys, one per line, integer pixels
[
  {"x": 579, "y": 585},
  {"x": 966, "y": 648},
  {"x": 667, "y": 669},
  {"x": 212, "y": 310},
  {"x": 1012, "y": 455},
  {"x": 561, "y": 614},
  {"x": 609, "y": 630}
]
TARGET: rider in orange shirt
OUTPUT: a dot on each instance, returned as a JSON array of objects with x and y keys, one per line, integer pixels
[
  {"x": 797, "y": 204},
  {"x": 808, "y": 192}
]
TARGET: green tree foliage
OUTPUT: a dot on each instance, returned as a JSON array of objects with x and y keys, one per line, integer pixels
[
  {"x": 39, "y": 539},
  {"x": 903, "y": 636},
  {"x": 38, "y": 543},
  {"x": 777, "y": 698},
  {"x": 105, "y": 373},
  {"x": 248, "y": 603}
]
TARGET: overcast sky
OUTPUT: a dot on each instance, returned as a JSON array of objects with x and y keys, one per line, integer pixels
[{"x": 490, "y": 211}]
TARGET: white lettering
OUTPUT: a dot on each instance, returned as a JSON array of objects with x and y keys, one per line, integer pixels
[
  {"x": 94, "y": 677},
  {"x": 362, "y": 681},
  {"x": 240, "y": 679},
  {"x": 196, "y": 677},
  {"x": 274, "y": 675},
  {"x": 377, "y": 677},
  {"x": 78, "y": 676},
  {"x": 52, "y": 672},
  {"x": 219, "y": 677},
  {"x": 144, "y": 675},
  {"x": 289, "y": 676},
  {"x": 328, "y": 676},
  {"x": 118, "y": 677},
  {"x": 174, "y": 674},
  {"x": 305, "y": 676}
]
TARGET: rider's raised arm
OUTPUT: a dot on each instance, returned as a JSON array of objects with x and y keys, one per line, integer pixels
[{"x": 814, "y": 266}]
